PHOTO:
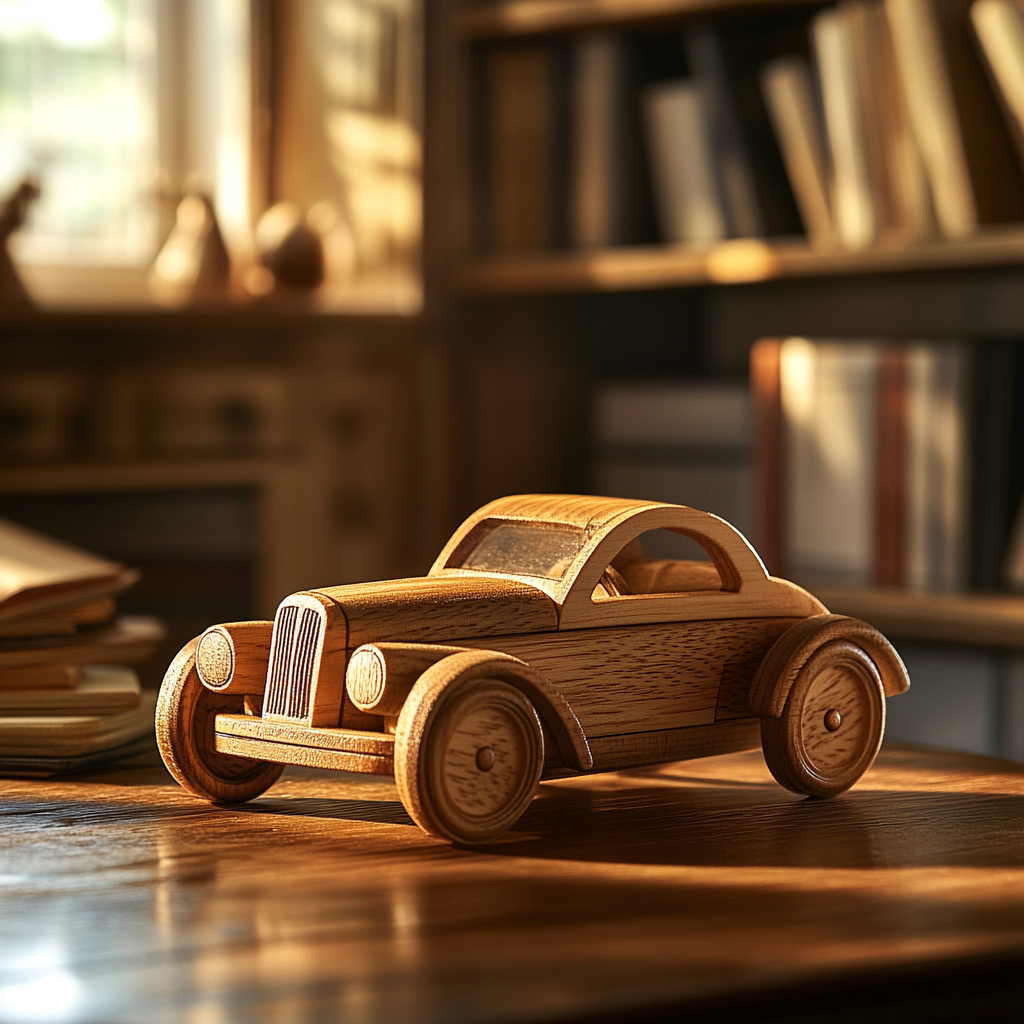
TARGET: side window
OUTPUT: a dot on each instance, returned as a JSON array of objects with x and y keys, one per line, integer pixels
[{"x": 658, "y": 562}]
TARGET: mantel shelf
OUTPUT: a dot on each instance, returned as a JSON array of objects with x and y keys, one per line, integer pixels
[
  {"x": 733, "y": 262},
  {"x": 530, "y": 17},
  {"x": 989, "y": 620}
]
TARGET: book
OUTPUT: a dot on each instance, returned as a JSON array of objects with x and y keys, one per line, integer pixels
[
  {"x": 972, "y": 171},
  {"x": 862, "y": 468},
  {"x": 101, "y": 690},
  {"x": 74, "y": 735},
  {"x": 853, "y": 205},
  {"x": 999, "y": 26},
  {"x": 41, "y": 766},
  {"x": 829, "y": 408},
  {"x": 746, "y": 46},
  {"x": 598, "y": 172},
  {"x": 732, "y": 162},
  {"x": 688, "y": 200},
  {"x": 899, "y": 187},
  {"x": 38, "y": 573},
  {"x": 936, "y": 555},
  {"x": 125, "y": 641},
  {"x": 790, "y": 97},
  {"x": 521, "y": 147},
  {"x": 40, "y": 677},
  {"x": 64, "y": 620}
]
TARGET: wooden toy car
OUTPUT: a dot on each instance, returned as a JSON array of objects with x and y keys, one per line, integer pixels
[{"x": 542, "y": 643}]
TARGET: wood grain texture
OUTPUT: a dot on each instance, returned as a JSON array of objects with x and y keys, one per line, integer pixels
[
  {"x": 233, "y": 657},
  {"x": 355, "y": 741},
  {"x": 612, "y": 753},
  {"x": 831, "y": 726},
  {"x": 272, "y": 751},
  {"x": 379, "y": 676},
  {"x": 702, "y": 888},
  {"x": 650, "y": 678},
  {"x": 437, "y": 609},
  {"x": 185, "y": 715},
  {"x": 786, "y": 659}
]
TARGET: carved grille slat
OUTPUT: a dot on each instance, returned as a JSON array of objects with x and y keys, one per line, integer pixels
[{"x": 290, "y": 680}]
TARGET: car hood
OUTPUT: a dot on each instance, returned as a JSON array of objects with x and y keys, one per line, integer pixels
[{"x": 441, "y": 609}]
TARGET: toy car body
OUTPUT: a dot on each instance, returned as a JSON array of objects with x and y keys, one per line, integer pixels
[{"x": 541, "y": 643}]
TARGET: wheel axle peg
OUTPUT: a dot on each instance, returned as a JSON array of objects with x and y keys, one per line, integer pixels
[
  {"x": 833, "y": 719},
  {"x": 485, "y": 759}
]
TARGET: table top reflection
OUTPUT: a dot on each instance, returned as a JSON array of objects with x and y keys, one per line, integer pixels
[{"x": 125, "y": 900}]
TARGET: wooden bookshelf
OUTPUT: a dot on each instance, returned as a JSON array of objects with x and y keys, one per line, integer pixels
[
  {"x": 531, "y": 17},
  {"x": 732, "y": 262},
  {"x": 987, "y": 620}
]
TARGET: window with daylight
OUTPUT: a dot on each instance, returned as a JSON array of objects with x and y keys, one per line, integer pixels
[{"x": 79, "y": 114}]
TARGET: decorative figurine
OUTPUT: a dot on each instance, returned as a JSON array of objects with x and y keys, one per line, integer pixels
[
  {"x": 13, "y": 210},
  {"x": 542, "y": 643}
]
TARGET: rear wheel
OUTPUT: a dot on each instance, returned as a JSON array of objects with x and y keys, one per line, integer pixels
[
  {"x": 186, "y": 713},
  {"x": 468, "y": 754},
  {"x": 831, "y": 724}
]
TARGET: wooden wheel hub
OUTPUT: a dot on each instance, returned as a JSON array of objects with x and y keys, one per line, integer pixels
[
  {"x": 832, "y": 722},
  {"x": 469, "y": 765}
]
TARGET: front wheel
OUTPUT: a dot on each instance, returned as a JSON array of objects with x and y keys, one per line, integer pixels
[
  {"x": 469, "y": 752},
  {"x": 186, "y": 713}
]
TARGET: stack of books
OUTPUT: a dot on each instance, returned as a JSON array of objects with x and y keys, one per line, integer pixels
[{"x": 67, "y": 699}]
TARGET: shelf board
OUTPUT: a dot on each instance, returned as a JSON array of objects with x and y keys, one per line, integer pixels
[
  {"x": 143, "y": 475},
  {"x": 532, "y": 17},
  {"x": 987, "y": 620},
  {"x": 737, "y": 261}
]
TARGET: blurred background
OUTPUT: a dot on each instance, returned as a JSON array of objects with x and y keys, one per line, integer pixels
[{"x": 295, "y": 285}]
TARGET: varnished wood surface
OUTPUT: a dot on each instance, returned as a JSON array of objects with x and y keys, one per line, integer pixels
[
  {"x": 127, "y": 900},
  {"x": 731, "y": 262}
]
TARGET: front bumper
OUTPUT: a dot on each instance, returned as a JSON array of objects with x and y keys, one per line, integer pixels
[{"x": 347, "y": 750}]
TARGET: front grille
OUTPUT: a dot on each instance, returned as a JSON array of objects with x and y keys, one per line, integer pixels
[{"x": 290, "y": 679}]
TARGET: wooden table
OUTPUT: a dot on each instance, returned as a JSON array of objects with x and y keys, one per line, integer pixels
[{"x": 699, "y": 889}]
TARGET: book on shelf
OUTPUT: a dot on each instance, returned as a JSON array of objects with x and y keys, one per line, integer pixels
[
  {"x": 522, "y": 156},
  {"x": 792, "y": 103},
  {"x": 598, "y": 172},
  {"x": 737, "y": 187},
  {"x": 853, "y": 204},
  {"x": 999, "y": 26},
  {"x": 862, "y": 461},
  {"x": 686, "y": 188}
]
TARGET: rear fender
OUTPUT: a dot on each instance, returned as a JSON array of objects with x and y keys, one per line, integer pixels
[{"x": 789, "y": 654}]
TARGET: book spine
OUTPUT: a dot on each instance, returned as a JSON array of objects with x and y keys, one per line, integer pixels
[
  {"x": 853, "y": 203},
  {"x": 704, "y": 54},
  {"x": 891, "y": 470},
  {"x": 686, "y": 188},
  {"x": 596, "y": 185},
  {"x": 769, "y": 471},
  {"x": 521, "y": 157},
  {"x": 930, "y": 102},
  {"x": 789, "y": 95}
]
